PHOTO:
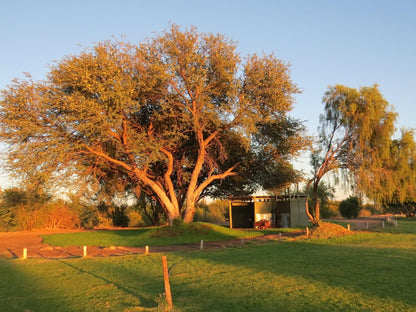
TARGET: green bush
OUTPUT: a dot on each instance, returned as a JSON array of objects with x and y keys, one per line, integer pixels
[
  {"x": 213, "y": 212},
  {"x": 350, "y": 207}
]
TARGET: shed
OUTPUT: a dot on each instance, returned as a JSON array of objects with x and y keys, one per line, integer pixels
[{"x": 276, "y": 211}]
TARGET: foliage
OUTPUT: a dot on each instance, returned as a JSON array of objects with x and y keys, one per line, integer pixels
[
  {"x": 213, "y": 212},
  {"x": 150, "y": 208},
  {"x": 350, "y": 207},
  {"x": 32, "y": 209},
  {"x": 406, "y": 208},
  {"x": 399, "y": 195},
  {"x": 171, "y": 116},
  {"x": 325, "y": 194},
  {"x": 355, "y": 138}
]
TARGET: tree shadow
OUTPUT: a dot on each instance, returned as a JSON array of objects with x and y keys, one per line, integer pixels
[
  {"x": 144, "y": 301},
  {"x": 20, "y": 292},
  {"x": 351, "y": 268}
]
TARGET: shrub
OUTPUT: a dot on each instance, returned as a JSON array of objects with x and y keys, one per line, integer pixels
[
  {"x": 350, "y": 207},
  {"x": 119, "y": 217},
  {"x": 135, "y": 219},
  {"x": 58, "y": 216},
  {"x": 365, "y": 213},
  {"x": 214, "y": 212}
]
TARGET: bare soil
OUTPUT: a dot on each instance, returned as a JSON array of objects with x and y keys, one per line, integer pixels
[{"x": 12, "y": 245}]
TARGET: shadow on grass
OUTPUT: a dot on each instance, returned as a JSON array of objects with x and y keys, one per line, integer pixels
[
  {"x": 20, "y": 291},
  {"x": 384, "y": 276},
  {"x": 144, "y": 302}
]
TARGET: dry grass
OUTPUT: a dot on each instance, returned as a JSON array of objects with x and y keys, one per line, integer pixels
[{"x": 329, "y": 230}]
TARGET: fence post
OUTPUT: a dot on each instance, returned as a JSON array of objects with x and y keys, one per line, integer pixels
[
  {"x": 307, "y": 231},
  {"x": 349, "y": 228},
  {"x": 166, "y": 280},
  {"x": 24, "y": 253},
  {"x": 146, "y": 250},
  {"x": 84, "y": 254}
]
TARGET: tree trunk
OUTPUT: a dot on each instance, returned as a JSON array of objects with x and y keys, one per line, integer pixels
[
  {"x": 189, "y": 212},
  {"x": 317, "y": 212}
]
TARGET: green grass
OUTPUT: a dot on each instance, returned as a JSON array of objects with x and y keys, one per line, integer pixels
[
  {"x": 362, "y": 272},
  {"x": 153, "y": 236},
  {"x": 404, "y": 225}
]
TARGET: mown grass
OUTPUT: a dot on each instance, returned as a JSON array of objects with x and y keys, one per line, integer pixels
[
  {"x": 362, "y": 272},
  {"x": 154, "y": 236}
]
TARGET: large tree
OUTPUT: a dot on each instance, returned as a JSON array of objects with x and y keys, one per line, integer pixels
[
  {"x": 399, "y": 187},
  {"x": 355, "y": 136},
  {"x": 170, "y": 116}
]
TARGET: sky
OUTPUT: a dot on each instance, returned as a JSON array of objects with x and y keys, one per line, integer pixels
[{"x": 355, "y": 43}]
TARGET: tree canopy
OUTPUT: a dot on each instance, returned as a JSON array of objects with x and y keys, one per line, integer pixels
[
  {"x": 355, "y": 136},
  {"x": 173, "y": 116},
  {"x": 399, "y": 185}
]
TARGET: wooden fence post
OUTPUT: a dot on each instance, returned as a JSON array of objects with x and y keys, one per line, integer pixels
[
  {"x": 84, "y": 254},
  {"x": 24, "y": 253},
  {"x": 166, "y": 280}
]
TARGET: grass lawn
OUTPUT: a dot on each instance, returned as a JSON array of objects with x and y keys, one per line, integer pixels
[
  {"x": 153, "y": 236},
  {"x": 362, "y": 272}
]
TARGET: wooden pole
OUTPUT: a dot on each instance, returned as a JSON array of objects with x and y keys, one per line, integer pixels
[
  {"x": 307, "y": 231},
  {"x": 146, "y": 250},
  {"x": 230, "y": 210},
  {"x": 349, "y": 228},
  {"x": 166, "y": 280},
  {"x": 24, "y": 253},
  {"x": 201, "y": 246},
  {"x": 84, "y": 251}
]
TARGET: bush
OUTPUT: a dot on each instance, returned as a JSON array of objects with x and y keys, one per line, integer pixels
[
  {"x": 119, "y": 217},
  {"x": 365, "y": 213},
  {"x": 350, "y": 207},
  {"x": 58, "y": 216},
  {"x": 214, "y": 212},
  {"x": 330, "y": 209},
  {"x": 46, "y": 216}
]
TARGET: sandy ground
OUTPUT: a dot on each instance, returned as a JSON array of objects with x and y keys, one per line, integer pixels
[{"x": 12, "y": 245}]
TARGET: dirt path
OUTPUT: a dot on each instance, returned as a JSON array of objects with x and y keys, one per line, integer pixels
[{"x": 13, "y": 243}]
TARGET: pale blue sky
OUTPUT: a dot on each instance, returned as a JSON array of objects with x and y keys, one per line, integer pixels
[{"x": 356, "y": 43}]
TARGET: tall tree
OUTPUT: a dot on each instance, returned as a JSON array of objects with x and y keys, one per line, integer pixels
[
  {"x": 399, "y": 187},
  {"x": 355, "y": 135},
  {"x": 172, "y": 115}
]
